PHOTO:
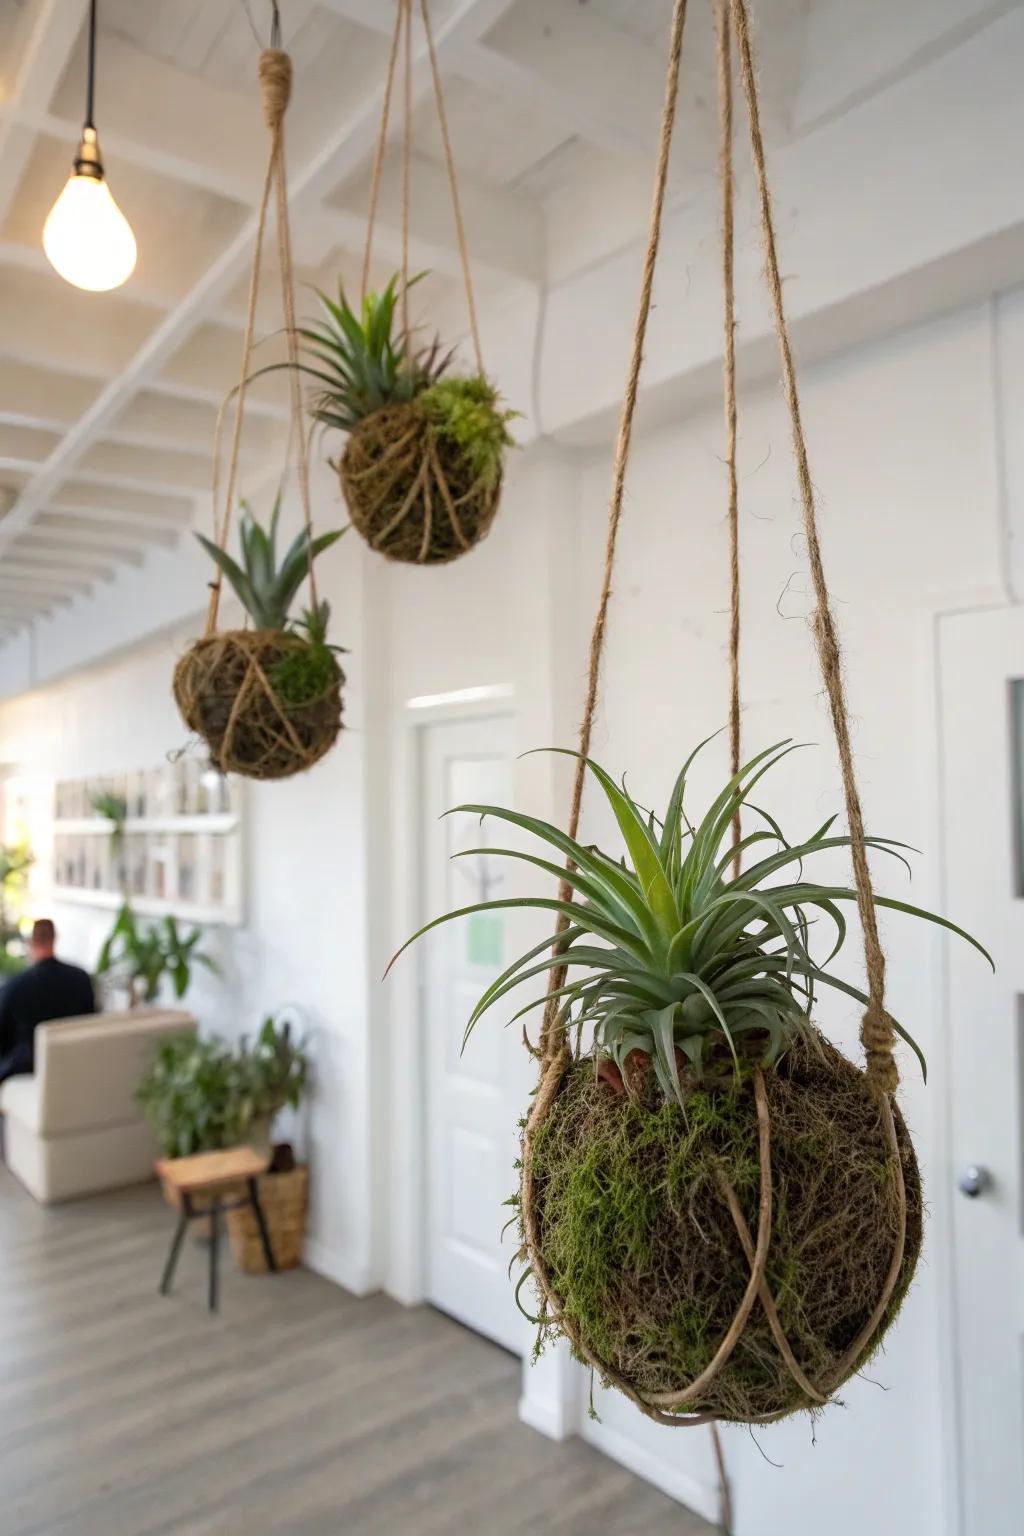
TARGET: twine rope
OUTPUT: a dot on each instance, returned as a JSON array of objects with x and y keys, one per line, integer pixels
[
  {"x": 555, "y": 1051},
  {"x": 406, "y": 6},
  {"x": 402, "y": 36},
  {"x": 378, "y": 157},
  {"x": 552, "y": 1029},
  {"x": 877, "y": 1035},
  {"x": 725, "y": 170},
  {"x": 275, "y": 76}
]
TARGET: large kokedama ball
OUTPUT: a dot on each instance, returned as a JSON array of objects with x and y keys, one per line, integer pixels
[
  {"x": 267, "y": 703},
  {"x": 413, "y": 493},
  {"x": 641, "y": 1250}
]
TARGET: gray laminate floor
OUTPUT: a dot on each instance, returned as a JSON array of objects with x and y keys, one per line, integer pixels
[{"x": 299, "y": 1411}]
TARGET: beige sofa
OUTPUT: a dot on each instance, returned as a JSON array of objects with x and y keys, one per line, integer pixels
[{"x": 72, "y": 1127}]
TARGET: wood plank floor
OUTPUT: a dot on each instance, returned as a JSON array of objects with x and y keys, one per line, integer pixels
[{"x": 298, "y": 1411}]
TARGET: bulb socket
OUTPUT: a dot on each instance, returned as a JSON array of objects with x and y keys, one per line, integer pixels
[{"x": 88, "y": 161}]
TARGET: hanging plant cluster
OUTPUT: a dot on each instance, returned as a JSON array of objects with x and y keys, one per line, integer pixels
[
  {"x": 422, "y": 468},
  {"x": 266, "y": 700},
  {"x": 707, "y": 1122}
]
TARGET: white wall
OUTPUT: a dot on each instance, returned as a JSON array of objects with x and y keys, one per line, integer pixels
[{"x": 921, "y": 479}]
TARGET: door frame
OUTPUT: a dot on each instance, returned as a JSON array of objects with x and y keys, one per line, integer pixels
[
  {"x": 405, "y": 1080},
  {"x": 943, "y": 1199}
]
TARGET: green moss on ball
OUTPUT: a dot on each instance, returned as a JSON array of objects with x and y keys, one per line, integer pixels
[
  {"x": 641, "y": 1249},
  {"x": 307, "y": 671}
]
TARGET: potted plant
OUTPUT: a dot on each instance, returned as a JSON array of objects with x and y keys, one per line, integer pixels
[
  {"x": 201, "y": 1094},
  {"x": 698, "y": 1105},
  {"x": 266, "y": 700},
  {"x": 142, "y": 958},
  {"x": 422, "y": 468},
  {"x": 15, "y": 861}
]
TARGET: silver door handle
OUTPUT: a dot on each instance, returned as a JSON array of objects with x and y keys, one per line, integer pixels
[{"x": 974, "y": 1181}]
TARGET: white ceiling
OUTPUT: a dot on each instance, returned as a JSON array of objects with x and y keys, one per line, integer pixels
[{"x": 108, "y": 401}]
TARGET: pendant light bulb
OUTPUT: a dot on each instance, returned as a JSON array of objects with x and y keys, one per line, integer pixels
[{"x": 86, "y": 237}]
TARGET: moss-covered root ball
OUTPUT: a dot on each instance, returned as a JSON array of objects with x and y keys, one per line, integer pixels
[
  {"x": 266, "y": 702},
  {"x": 416, "y": 495},
  {"x": 640, "y": 1247}
]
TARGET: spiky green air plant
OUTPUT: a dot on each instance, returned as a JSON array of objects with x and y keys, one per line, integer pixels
[
  {"x": 359, "y": 361},
  {"x": 265, "y": 588},
  {"x": 668, "y": 952}
]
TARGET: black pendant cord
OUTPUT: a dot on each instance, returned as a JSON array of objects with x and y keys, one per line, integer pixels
[{"x": 91, "y": 79}]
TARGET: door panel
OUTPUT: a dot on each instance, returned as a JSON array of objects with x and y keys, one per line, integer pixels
[
  {"x": 982, "y": 669},
  {"x": 472, "y": 1097}
]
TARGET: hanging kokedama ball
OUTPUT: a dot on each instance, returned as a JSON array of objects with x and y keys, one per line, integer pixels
[
  {"x": 719, "y": 1211},
  {"x": 631, "y": 1205},
  {"x": 267, "y": 701},
  {"x": 422, "y": 468}
]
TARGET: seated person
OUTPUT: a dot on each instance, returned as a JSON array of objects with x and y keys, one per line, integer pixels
[{"x": 48, "y": 989}]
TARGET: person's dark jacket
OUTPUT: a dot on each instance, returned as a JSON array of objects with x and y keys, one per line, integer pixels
[{"x": 50, "y": 989}]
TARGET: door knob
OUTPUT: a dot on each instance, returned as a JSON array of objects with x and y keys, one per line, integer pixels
[{"x": 974, "y": 1181}]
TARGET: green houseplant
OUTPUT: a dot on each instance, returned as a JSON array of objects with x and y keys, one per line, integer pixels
[
  {"x": 689, "y": 990},
  {"x": 266, "y": 700},
  {"x": 16, "y": 859},
  {"x": 422, "y": 466},
  {"x": 201, "y": 1094},
  {"x": 145, "y": 956}
]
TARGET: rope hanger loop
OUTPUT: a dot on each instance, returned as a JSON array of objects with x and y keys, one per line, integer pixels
[
  {"x": 401, "y": 40},
  {"x": 275, "y": 81}
]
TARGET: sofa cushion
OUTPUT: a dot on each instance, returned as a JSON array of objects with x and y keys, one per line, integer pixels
[
  {"x": 19, "y": 1099},
  {"x": 89, "y": 1069}
]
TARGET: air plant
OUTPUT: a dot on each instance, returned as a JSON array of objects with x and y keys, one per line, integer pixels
[
  {"x": 671, "y": 954},
  {"x": 265, "y": 588}
]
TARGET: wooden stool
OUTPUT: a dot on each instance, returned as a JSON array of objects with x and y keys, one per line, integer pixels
[{"x": 213, "y": 1174}]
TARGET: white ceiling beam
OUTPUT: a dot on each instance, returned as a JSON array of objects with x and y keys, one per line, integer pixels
[
  {"x": 40, "y": 539},
  {"x": 32, "y": 258},
  {"x": 24, "y": 566},
  {"x": 588, "y": 77},
  {"x": 211, "y": 173},
  {"x": 54, "y": 26},
  {"x": 340, "y": 153},
  {"x": 505, "y": 232},
  {"x": 112, "y": 524}
]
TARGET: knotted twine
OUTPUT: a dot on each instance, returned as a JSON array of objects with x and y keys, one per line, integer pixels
[{"x": 877, "y": 1034}]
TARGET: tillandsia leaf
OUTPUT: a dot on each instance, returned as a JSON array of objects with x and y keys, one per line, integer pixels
[
  {"x": 668, "y": 952},
  {"x": 265, "y": 589}
]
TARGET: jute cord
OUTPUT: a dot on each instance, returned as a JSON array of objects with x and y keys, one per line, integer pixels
[
  {"x": 401, "y": 39},
  {"x": 275, "y": 76},
  {"x": 554, "y": 1050}
]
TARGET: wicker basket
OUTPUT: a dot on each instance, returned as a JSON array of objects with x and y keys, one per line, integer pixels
[{"x": 284, "y": 1198}]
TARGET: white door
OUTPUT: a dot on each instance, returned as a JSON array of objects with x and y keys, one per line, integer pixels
[
  {"x": 982, "y": 669},
  {"x": 474, "y": 1098}
]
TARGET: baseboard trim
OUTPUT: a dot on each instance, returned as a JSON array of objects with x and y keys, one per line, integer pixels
[
  {"x": 547, "y": 1416},
  {"x": 678, "y": 1484},
  {"x": 335, "y": 1266}
]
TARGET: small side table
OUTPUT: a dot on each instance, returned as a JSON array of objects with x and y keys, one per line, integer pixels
[{"x": 215, "y": 1175}]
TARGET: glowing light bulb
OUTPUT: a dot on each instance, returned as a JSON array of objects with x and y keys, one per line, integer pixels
[{"x": 86, "y": 237}]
